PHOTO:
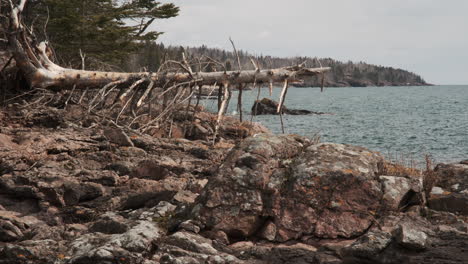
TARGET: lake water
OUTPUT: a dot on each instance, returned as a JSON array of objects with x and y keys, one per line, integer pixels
[{"x": 399, "y": 122}]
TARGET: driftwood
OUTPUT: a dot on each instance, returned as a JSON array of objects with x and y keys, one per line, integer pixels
[{"x": 41, "y": 72}]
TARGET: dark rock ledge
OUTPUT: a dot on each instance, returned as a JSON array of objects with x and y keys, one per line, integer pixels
[
  {"x": 269, "y": 107},
  {"x": 75, "y": 195}
]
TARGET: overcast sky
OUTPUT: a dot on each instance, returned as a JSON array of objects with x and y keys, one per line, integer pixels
[{"x": 428, "y": 37}]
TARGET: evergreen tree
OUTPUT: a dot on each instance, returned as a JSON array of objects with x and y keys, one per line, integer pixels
[{"x": 104, "y": 30}]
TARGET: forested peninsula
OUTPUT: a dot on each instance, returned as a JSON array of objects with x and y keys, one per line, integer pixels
[{"x": 342, "y": 74}]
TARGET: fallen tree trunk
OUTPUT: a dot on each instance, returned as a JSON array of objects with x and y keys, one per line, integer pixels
[{"x": 43, "y": 78}]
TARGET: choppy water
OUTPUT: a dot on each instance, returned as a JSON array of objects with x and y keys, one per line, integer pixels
[{"x": 407, "y": 122}]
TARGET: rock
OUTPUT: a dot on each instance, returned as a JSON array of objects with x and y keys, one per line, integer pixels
[
  {"x": 295, "y": 253},
  {"x": 269, "y": 231},
  {"x": 89, "y": 249},
  {"x": 132, "y": 152},
  {"x": 454, "y": 178},
  {"x": 102, "y": 248},
  {"x": 398, "y": 191},
  {"x": 335, "y": 246},
  {"x": 242, "y": 246},
  {"x": 110, "y": 224},
  {"x": 118, "y": 136},
  {"x": 122, "y": 168},
  {"x": 368, "y": 246},
  {"x": 16, "y": 226},
  {"x": 138, "y": 238},
  {"x": 185, "y": 197},
  {"x": 410, "y": 237},
  {"x": 437, "y": 191},
  {"x": 317, "y": 190},
  {"x": 75, "y": 193},
  {"x": 106, "y": 178},
  {"x": 148, "y": 192},
  {"x": 191, "y": 242},
  {"x": 450, "y": 202},
  {"x": 451, "y": 174},
  {"x": 218, "y": 236},
  {"x": 189, "y": 226},
  {"x": 159, "y": 214},
  {"x": 31, "y": 251},
  {"x": 163, "y": 208},
  {"x": 324, "y": 258},
  {"x": 156, "y": 170},
  {"x": 269, "y": 107},
  {"x": 9, "y": 231}
]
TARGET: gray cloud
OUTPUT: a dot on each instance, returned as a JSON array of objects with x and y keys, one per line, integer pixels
[{"x": 424, "y": 36}]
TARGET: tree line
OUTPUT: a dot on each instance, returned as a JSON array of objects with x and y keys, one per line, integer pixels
[{"x": 342, "y": 74}]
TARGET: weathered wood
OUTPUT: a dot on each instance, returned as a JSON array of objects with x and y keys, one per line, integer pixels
[{"x": 43, "y": 78}]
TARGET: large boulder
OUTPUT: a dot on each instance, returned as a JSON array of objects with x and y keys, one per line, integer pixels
[
  {"x": 401, "y": 192},
  {"x": 269, "y": 107},
  {"x": 453, "y": 177},
  {"x": 409, "y": 236},
  {"x": 103, "y": 248},
  {"x": 283, "y": 188},
  {"x": 451, "y": 191}
]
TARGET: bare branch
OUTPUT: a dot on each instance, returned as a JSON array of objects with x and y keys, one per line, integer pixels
[
  {"x": 237, "y": 54},
  {"x": 282, "y": 96},
  {"x": 83, "y": 57},
  {"x": 187, "y": 64},
  {"x": 257, "y": 69},
  {"x": 145, "y": 94},
  {"x": 222, "y": 109},
  {"x": 281, "y": 102},
  {"x": 135, "y": 84}
]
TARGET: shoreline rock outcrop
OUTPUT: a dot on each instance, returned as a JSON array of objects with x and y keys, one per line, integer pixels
[
  {"x": 73, "y": 194},
  {"x": 284, "y": 188}
]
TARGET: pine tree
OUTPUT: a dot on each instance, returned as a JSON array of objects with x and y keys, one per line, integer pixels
[{"x": 101, "y": 29}]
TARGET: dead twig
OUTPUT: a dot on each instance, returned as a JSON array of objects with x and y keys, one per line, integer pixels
[
  {"x": 83, "y": 57},
  {"x": 70, "y": 96},
  {"x": 145, "y": 94},
  {"x": 237, "y": 54},
  {"x": 222, "y": 109}
]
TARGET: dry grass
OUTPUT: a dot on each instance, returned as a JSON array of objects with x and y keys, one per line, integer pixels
[
  {"x": 429, "y": 176},
  {"x": 315, "y": 139},
  {"x": 398, "y": 169}
]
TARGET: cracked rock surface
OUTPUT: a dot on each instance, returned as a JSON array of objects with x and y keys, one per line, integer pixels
[{"x": 70, "y": 194}]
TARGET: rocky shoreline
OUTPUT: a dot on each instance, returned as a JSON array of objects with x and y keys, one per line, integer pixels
[{"x": 73, "y": 190}]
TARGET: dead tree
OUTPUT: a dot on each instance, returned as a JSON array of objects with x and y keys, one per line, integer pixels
[{"x": 41, "y": 72}]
